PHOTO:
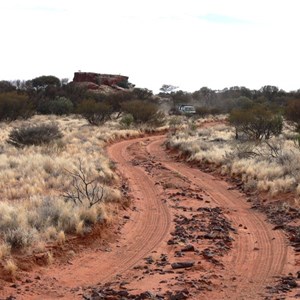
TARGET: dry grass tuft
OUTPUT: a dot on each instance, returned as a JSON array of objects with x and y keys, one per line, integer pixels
[
  {"x": 50, "y": 258},
  {"x": 272, "y": 167},
  {"x": 11, "y": 268},
  {"x": 61, "y": 238},
  {"x": 4, "y": 250}
]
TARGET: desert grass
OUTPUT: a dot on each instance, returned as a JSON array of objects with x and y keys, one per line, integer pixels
[
  {"x": 11, "y": 268},
  {"x": 34, "y": 179},
  {"x": 272, "y": 167}
]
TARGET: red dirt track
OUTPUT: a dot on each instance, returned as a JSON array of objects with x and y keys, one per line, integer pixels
[{"x": 258, "y": 254}]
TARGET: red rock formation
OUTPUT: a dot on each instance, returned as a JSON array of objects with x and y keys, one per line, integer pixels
[{"x": 101, "y": 79}]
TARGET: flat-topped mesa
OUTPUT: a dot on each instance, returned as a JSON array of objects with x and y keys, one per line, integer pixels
[{"x": 102, "y": 79}]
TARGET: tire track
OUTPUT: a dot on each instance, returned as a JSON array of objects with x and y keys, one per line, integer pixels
[
  {"x": 260, "y": 253},
  {"x": 145, "y": 230}
]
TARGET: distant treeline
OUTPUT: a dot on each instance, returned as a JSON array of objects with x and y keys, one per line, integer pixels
[{"x": 51, "y": 95}]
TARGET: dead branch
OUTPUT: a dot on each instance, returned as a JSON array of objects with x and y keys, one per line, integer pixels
[{"x": 83, "y": 189}]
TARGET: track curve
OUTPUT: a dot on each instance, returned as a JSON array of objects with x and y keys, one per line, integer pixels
[{"x": 259, "y": 253}]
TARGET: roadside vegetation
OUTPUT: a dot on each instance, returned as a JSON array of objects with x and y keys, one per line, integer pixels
[
  {"x": 56, "y": 181},
  {"x": 268, "y": 166},
  {"x": 46, "y": 162},
  {"x": 257, "y": 143}
]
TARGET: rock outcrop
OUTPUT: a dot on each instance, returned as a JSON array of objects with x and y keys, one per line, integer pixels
[{"x": 95, "y": 79}]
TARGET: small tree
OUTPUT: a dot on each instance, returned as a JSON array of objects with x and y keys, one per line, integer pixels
[
  {"x": 256, "y": 123},
  {"x": 6, "y": 86},
  {"x": 168, "y": 88},
  {"x": 115, "y": 101},
  {"x": 42, "y": 82},
  {"x": 292, "y": 112},
  {"x": 144, "y": 112},
  {"x": 96, "y": 113},
  {"x": 13, "y": 106},
  {"x": 142, "y": 94}
]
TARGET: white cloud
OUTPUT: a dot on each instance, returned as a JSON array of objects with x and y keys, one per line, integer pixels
[{"x": 191, "y": 44}]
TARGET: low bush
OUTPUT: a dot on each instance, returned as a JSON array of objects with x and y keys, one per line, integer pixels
[
  {"x": 292, "y": 113},
  {"x": 144, "y": 112},
  {"x": 96, "y": 113},
  {"x": 126, "y": 120},
  {"x": 14, "y": 106},
  {"x": 59, "y": 106},
  {"x": 34, "y": 135},
  {"x": 203, "y": 111}
]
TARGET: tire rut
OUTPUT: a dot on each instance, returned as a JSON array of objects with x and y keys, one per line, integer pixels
[{"x": 260, "y": 253}]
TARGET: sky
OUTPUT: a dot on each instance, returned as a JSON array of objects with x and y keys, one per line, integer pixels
[{"x": 186, "y": 43}]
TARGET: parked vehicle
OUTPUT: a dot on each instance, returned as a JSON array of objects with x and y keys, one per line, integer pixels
[{"x": 183, "y": 109}]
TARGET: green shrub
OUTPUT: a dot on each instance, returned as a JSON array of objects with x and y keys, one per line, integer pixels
[
  {"x": 96, "y": 113},
  {"x": 292, "y": 113},
  {"x": 257, "y": 122},
  {"x": 59, "y": 106},
  {"x": 6, "y": 86},
  {"x": 127, "y": 120},
  {"x": 14, "y": 106},
  {"x": 34, "y": 135},
  {"x": 144, "y": 112},
  {"x": 203, "y": 111}
]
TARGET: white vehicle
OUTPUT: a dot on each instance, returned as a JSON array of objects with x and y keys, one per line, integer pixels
[{"x": 186, "y": 109}]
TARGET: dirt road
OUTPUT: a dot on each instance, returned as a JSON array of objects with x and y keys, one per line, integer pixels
[
  {"x": 234, "y": 252},
  {"x": 259, "y": 253}
]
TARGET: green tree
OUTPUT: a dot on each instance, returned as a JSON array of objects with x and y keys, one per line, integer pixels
[
  {"x": 257, "y": 122},
  {"x": 181, "y": 97},
  {"x": 168, "y": 88},
  {"x": 269, "y": 91},
  {"x": 292, "y": 112},
  {"x": 205, "y": 96},
  {"x": 6, "y": 86},
  {"x": 142, "y": 93},
  {"x": 144, "y": 112},
  {"x": 14, "y": 105},
  {"x": 42, "y": 82}
]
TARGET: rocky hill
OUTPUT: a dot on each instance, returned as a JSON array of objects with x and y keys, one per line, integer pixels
[{"x": 96, "y": 81}]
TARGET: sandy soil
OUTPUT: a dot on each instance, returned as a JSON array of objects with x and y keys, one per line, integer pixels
[{"x": 179, "y": 214}]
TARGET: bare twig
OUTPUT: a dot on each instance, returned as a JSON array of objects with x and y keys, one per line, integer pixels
[{"x": 84, "y": 190}]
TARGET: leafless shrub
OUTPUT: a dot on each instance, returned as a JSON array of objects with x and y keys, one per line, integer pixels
[{"x": 84, "y": 190}]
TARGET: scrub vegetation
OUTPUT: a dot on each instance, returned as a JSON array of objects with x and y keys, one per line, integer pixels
[
  {"x": 44, "y": 161},
  {"x": 257, "y": 143},
  {"x": 56, "y": 181}
]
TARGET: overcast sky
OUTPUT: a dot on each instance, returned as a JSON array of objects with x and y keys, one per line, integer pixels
[{"x": 188, "y": 43}]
